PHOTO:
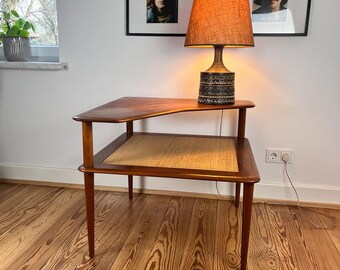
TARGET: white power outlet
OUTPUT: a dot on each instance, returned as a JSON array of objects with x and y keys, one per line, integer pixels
[{"x": 275, "y": 155}]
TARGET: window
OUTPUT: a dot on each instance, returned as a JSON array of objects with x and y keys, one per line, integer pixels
[{"x": 43, "y": 15}]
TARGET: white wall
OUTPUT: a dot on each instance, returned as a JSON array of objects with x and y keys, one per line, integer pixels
[{"x": 294, "y": 82}]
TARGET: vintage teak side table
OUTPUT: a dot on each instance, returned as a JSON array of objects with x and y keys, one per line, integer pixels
[{"x": 211, "y": 158}]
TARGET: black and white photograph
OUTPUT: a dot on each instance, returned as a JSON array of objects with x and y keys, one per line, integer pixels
[
  {"x": 280, "y": 17},
  {"x": 162, "y": 11},
  {"x": 157, "y": 17}
]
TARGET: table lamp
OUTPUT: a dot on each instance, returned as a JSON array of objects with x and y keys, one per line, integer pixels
[{"x": 219, "y": 24}]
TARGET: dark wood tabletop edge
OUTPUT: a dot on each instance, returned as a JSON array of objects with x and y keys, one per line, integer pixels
[
  {"x": 245, "y": 158},
  {"x": 90, "y": 116},
  {"x": 175, "y": 173}
]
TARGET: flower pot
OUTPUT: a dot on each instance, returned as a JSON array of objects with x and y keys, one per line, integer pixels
[{"x": 17, "y": 49}]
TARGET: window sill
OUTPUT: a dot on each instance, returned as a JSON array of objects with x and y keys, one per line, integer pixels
[{"x": 33, "y": 65}]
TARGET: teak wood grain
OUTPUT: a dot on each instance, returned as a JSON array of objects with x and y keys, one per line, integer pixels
[
  {"x": 135, "y": 108},
  {"x": 121, "y": 157},
  {"x": 48, "y": 231}
]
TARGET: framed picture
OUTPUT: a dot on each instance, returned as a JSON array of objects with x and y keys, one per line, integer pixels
[
  {"x": 171, "y": 17},
  {"x": 280, "y": 17},
  {"x": 157, "y": 17}
]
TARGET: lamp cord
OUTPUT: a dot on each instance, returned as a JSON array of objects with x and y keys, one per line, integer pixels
[
  {"x": 285, "y": 165},
  {"x": 221, "y": 123},
  {"x": 333, "y": 220},
  {"x": 220, "y": 135}
]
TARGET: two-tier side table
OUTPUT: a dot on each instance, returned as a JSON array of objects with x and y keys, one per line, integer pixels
[{"x": 211, "y": 158}]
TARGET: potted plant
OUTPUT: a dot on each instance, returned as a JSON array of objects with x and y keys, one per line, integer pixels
[{"x": 14, "y": 35}]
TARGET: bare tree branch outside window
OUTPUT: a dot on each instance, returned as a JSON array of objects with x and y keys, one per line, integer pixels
[{"x": 43, "y": 15}]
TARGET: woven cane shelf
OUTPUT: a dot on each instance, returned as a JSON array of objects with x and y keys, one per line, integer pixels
[
  {"x": 177, "y": 156},
  {"x": 180, "y": 152}
]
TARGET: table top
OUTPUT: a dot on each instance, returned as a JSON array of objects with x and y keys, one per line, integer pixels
[{"x": 134, "y": 108}]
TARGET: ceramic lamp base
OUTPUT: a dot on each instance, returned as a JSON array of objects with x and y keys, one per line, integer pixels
[{"x": 217, "y": 88}]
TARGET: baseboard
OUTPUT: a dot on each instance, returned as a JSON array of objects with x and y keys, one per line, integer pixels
[
  {"x": 166, "y": 193},
  {"x": 318, "y": 196}
]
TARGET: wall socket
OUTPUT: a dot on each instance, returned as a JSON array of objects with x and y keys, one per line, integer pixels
[{"x": 275, "y": 155}]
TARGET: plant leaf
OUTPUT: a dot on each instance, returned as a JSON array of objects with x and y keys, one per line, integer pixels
[
  {"x": 15, "y": 13},
  {"x": 4, "y": 28},
  {"x": 7, "y": 16},
  {"x": 21, "y": 22},
  {"x": 26, "y": 26},
  {"x": 33, "y": 28},
  {"x": 13, "y": 32},
  {"x": 24, "y": 33}
]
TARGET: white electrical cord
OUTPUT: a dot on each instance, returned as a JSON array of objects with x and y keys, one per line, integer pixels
[
  {"x": 285, "y": 159},
  {"x": 332, "y": 227},
  {"x": 220, "y": 134},
  {"x": 221, "y": 123}
]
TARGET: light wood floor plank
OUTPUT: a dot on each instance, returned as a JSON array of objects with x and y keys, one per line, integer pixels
[
  {"x": 27, "y": 210},
  {"x": 20, "y": 198},
  {"x": 262, "y": 249},
  {"x": 8, "y": 191},
  {"x": 59, "y": 234},
  {"x": 322, "y": 250},
  {"x": 296, "y": 238},
  {"x": 111, "y": 237},
  {"x": 332, "y": 223},
  {"x": 171, "y": 236},
  {"x": 228, "y": 237},
  {"x": 44, "y": 247},
  {"x": 200, "y": 242},
  {"x": 143, "y": 234},
  {"x": 69, "y": 255},
  {"x": 10, "y": 248},
  {"x": 279, "y": 233},
  {"x": 44, "y": 228}
]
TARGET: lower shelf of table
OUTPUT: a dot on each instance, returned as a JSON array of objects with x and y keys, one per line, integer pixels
[{"x": 178, "y": 156}]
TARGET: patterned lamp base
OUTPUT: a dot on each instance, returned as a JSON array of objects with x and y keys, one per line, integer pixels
[{"x": 217, "y": 88}]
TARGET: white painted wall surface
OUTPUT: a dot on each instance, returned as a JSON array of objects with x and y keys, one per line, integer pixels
[{"x": 294, "y": 82}]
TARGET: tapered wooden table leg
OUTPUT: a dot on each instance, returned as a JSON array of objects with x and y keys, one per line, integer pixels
[
  {"x": 129, "y": 132},
  {"x": 248, "y": 190},
  {"x": 89, "y": 196},
  {"x": 130, "y": 177},
  {"x": 237, "y": 194},
  {"x": 89, "y": 183}
]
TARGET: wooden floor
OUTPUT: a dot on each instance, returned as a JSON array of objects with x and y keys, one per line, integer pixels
[{"x": 45, "y": 228}]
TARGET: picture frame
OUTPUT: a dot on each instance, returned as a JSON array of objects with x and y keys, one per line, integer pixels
[
  {"x": 137, "y": 14},
  {"x": 264, "y": 24},
  {"x": 291, "y": 19}
]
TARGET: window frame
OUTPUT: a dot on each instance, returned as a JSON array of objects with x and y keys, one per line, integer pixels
[{"x": 40, "y": 53}]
